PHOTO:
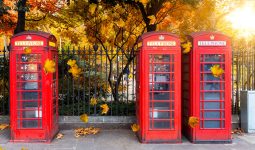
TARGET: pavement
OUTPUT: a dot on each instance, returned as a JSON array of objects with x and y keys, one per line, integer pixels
[{"x": 121, "y": 139}]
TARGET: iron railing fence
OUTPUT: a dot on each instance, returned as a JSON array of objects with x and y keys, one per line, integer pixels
[
  {"x": 96, "y": 81},
  {"x": 243, "y": 72},
  {"x": 4, "y": 82}
]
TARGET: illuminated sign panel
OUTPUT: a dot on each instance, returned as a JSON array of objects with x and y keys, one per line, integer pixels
[
  {"x": 161, "y": 43},
  {"x": 28, "y": 43},
  {"x": 212, "y": 43}
]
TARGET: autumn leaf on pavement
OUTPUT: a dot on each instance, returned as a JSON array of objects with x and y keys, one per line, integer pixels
[
  {"x": 85, "y": 131},
  {"x": 187, "y": 47},
  {"x": 3, "y": 126},
  {"x": 135, "y": 127},
  {"x": 24, "y": 148},
  {"x": 105, "y": 108},
  {"x": 49, "y": 66},
  {"x": 217, "y": 71},
  {"x": 84, "y": 118},
  {"x": 59, "y": 136},
  {"x": 92, "y": 8},
  {"x": 152, "y": 19},
  {"x": 193, "y": 122}
]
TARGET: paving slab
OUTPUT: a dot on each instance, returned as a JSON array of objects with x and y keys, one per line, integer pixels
[{"x": 122, "y": 139}]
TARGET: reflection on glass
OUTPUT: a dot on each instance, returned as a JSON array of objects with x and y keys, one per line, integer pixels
[
  {"x": 211, "y": 114},
  {"x": 163, "y": 77},
  {"x": 29, "y": 58},
  {"x": 212, "y": 58},
  {"x": 29, "y": 76},
  {"x": 211, "y": 105},
  {"x": 29, "y": 123},
  {"x": 161, "y": 87},
  {"x": 28, "y": 85},
  {"x": 159, "y": 115},
  {"x": 30, "y": 95},
  {"x": 27, "y": 67},
  {"x": 161, "y": 105},
  {"x": 160, "y": 58},
  {"x": 160, "y": 68}
]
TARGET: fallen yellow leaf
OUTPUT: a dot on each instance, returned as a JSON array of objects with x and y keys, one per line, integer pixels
[
  {"x": 105, "y": 108},
  {"x": 3, "y": 126},
  {"x": 85, "y": 131},
  {"x": 193, "y": 121},
  {"x": 135, "y": 127},
  {"x": 59, "y": 136},
  {"x": 84, "y": 118}
]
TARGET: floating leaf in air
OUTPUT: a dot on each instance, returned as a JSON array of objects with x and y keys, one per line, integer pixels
[{"x": 193, "y": 121}]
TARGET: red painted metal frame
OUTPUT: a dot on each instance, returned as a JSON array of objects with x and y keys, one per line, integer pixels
[
  {"x": 200, "y": 134},
  {"x": 49, "y": 126},
  {"x": 145, "y": 134}
]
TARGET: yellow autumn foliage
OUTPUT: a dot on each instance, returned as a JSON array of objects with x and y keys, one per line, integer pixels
[
  {"x": 27, "y": 50},
  {"x": 49, "y": 66},
  {"x": 135, "y": 127},
  {"x": 93, "y": 101},
  {"x": 92, "y": 8},
  {"x": 84, "y": 118},
  {"x": 193, "y": 121},
  {"x": 187, "y": 47},
  {"x": 105, "y": 108},
  {"x": 120, "y": 23},
  {"x": 217, "y": 71},
  {"x": 85, "y": 131}
]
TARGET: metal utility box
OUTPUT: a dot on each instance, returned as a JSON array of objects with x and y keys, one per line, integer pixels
[
  {"x": 204, "y": 95},
  {"x": 248, "y": 111},
  {"x": 33, "y": 92},
  {"x": 158, "y": 88}
]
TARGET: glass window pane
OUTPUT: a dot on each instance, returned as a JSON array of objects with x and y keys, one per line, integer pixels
[
  {"x": 29, "y": 123},
  {"x": 29, "y": 85},
  {"x": 211, "y": 124},
  {"x": 211, "y": 105},
  {"x": 29, "y": 58},
  {"x": 159, "y": 115},
  {"x": 210, "y": 77},
  {"x": 32, "y": 114},
  {"x": 212, "y": 114},
  {"x": 161, "y": 96},
  {"x": 30, "y": 96},
  {"x": 161, "y": 58},
  {"x": 211, "y": 96},
  {"x": 207, "y": 67},
  {"x": 212, "y": 58},
  {"x": 28, "y": 76},
  {"x": 162, "y": 106},
  {"x": 161, "y": 87},
  {"x": 27, "y": 67},
  {"x": 161, "y": 77},
  {"x": 212, "y": 86},
  {"x": 29, "y": 105},
  {"x": 161, "y": 124},
  {"x": 160, "y": 68}
]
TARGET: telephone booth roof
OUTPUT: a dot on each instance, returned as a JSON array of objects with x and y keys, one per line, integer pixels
[
  {"x": 23, "y": 38},
  {"x": 159, "y": 36},
  {"x": 209, "y": 36},
  {"x": 37, "y": 33}
]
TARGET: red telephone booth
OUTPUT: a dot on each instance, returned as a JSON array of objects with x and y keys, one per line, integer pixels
[
  {"x": 206, "y": 96},
  {"x": 159, "y": 88},
  {"x": 33, "y": 92}
]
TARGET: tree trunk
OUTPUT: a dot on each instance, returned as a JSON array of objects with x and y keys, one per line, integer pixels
[{"x": 21, "y": 16}]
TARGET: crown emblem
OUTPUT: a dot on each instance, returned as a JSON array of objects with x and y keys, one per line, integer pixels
[
  {"x": 161, "y": 37},
  {"x": 212, "y": 37},
  {"x": 29, "y": 37}
]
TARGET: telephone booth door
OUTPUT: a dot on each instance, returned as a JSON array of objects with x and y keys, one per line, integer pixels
[
  {"x": 211, "y": 94},
  {"x": 160, "y": 87}
]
